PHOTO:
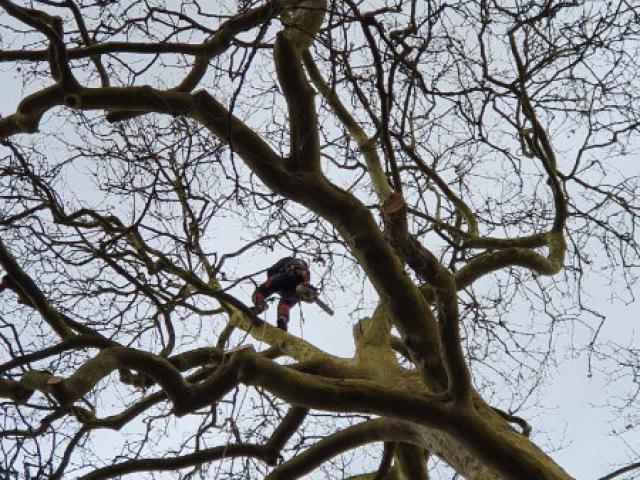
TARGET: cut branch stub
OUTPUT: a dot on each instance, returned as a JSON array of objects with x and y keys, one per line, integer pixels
[{"x": 302, "y": 20}]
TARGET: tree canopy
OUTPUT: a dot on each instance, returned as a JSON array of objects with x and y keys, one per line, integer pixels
[{"x": 458, "y": 173}]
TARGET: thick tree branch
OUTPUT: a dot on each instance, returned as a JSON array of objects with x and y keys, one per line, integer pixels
[
  {"x": 52, "y": 28},
  {"x": 444, "y": 288},
  {"x": 15, "y": 391},
  {"x": 378, "y": 430},
  {"x": 411, "y": 461},
  {"x": 514, "y": 256},
  {"x": 30, "y": 110},
  {"x": 302, "y": 23},
  {"x": 119, "y": 420},
  {"x": 286, "y": 343},
  {"x": 304, "y": 140},
  {"x": 407, "y": 307},
  {"x": 386, "y": 461},
  {"x": 366, "y": 144}
]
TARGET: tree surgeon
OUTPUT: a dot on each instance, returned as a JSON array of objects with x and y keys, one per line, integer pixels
[{"x": 288, "y": 277}]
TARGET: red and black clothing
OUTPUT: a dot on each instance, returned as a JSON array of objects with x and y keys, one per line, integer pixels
[{"x": 282, "y": 278}]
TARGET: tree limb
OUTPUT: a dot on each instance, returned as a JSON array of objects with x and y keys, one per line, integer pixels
[{"x": 352, "y": 437}]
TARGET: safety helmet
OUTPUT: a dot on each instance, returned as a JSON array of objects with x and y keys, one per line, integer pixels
[{"x": 300, "y": 263}]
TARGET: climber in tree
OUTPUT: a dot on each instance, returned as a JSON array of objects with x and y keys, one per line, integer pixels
[{"x": 289, "y": 278}]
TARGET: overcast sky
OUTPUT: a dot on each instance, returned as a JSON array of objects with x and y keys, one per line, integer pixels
[{"x": 573, "y": 414}]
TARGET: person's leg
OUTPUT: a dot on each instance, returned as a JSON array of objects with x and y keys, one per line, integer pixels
[
  {"x": 284, "y": 306},
  {"x": 260, "y": 295}
]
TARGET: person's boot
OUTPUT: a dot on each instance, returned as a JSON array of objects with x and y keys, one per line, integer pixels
[
  {"x": 259, "y": 308},
  {"x": 282, "y": 323}
]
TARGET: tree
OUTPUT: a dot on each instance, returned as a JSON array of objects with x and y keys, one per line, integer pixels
[{"x": 455, "y": 156}]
